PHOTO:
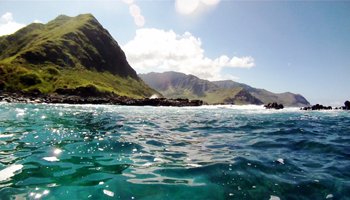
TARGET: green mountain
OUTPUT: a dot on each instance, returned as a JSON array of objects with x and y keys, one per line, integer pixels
[
  {"x": 179, "y": 85},
  {"x": 67, "y": 53}
]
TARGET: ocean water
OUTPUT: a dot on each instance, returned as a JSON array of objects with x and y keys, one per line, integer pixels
[{"x": 210, "y": 152}]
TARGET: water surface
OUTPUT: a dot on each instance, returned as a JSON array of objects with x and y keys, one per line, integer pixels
[{"x": 120, "y": 152}]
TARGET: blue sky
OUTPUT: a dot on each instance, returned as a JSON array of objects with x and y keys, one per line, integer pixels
[{"x": 301, "y": 47}]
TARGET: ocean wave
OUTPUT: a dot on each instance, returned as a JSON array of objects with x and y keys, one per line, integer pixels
[{"x": 208, "y": 152}]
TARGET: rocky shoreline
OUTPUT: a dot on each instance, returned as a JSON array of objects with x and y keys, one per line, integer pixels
[
  {"x": 274, "y": 105},
  {"x": 109, "y": 99},
  {"x": 322, "y": 107},
  {"x": 277, "y": 106}
]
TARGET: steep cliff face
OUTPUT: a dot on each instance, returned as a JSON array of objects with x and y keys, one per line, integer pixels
[
  {"x": 67, "y": 46},
  {"x": 174, "y": 84},
  {"x": 286, "y": 98},
  {"x": 67, "y": 42},
  {"x": 179, "y": 85},
  {"x": 243, "y": 97}
]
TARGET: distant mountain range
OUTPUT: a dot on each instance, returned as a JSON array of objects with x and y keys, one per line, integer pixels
[
  {"x": 179, "y": 85},
  {"x": 67, "y": 53}
]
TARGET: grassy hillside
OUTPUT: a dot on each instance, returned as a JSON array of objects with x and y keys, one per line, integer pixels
[
  {"x": 67, "y": 52},
  {"x": 287, "y": 98},
  {"x": 178, "y": 85},
  {"x": 48, "y": 79}
]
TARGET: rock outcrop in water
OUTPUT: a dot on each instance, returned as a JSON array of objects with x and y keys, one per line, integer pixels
[
  {"x": 317, "y": 107},
  {"x": 274, "y": 105},
  {"x": 322, "y": 107},
  {"x": 347, "y": 105}
]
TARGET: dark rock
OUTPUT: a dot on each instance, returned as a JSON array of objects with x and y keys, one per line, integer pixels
[
  {"x": 274, "y": 105},
  {"x": 2, "y": 85},
  {"x": 34, "y": 92},
  {"x": 320, "y": 107},
  {"x": 83, "y": 91},
  {"x": 88, "y": 95},
  {"x": 317, "y": 107},
  {"x": 347, "y": 105}
]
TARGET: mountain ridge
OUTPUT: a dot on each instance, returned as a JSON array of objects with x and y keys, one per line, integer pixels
[
  {"x": 217, "y": 92},
  {"x": 67, "y": 52}
]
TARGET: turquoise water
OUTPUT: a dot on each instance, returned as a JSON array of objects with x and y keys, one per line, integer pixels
[{"x": 120, "y": 152}]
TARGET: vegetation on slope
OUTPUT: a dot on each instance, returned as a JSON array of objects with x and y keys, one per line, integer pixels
[
  {"x": 178, "y": 85},
  {"x": 67, "y": 52}
]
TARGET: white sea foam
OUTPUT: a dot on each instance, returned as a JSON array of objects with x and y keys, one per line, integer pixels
[
  {"x": 147, "y": 164},
  {"x": 194, "y": 165},
  {"x": 154, "y": 96},
  {"x": 6, "y": 136},
  {"x": 274, "y": 197},
  {"x": 9, "y": 172},
  {"x": 38, "y": 196},
  {"x": 158, "y": 160},
  {"x": 280, "y": 160},
  {"x": 250, "y": 108},
  {"x": 51, "y": 159},
  {"x": 20, "y": 112},
  {"x": 108, "y": 193}
]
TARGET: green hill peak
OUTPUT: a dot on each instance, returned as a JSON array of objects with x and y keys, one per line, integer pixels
[{"x": 64, "y": 47}]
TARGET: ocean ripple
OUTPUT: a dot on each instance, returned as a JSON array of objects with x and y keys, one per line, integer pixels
[{"x": 209, "y": 152}]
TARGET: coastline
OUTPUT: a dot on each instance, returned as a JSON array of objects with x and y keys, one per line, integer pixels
[
  {"x": 112, "y": 99},
  {"x": 107, "y": 100}
]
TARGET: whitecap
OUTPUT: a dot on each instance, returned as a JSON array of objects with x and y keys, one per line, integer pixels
[
  {"x": 280, "y": 160},
  {"x": 6, "y": 136},
  {"x": 9, "y": 172},
  {"x": 158, "y": 160},
  {"x": 274, "y": 197},
  {"x": 329, "y": 196},
  {"x": 38, "y": 196},
  {"x": 51, "y": 159},
  {"x": 194, "y": 165},
  {"x": 108, "y": 193},
  {"x": 147, "y": 164},
  {"x": 20, "y": 112}
]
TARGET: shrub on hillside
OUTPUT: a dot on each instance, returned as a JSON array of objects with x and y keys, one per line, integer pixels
[{"x": 30, "y": 79}]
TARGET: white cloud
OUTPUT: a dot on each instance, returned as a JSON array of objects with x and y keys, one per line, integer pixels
[
  {"x": 187, "y": 7},
  {"x": 160, "y": 50},
  {"x": 211, "y": 2},
  {"x": 135, "y": 12},
  {"x": 8, "y": 25},
  {"x": 37, "y": 21},
  {"x": 128, "y": 1}
]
